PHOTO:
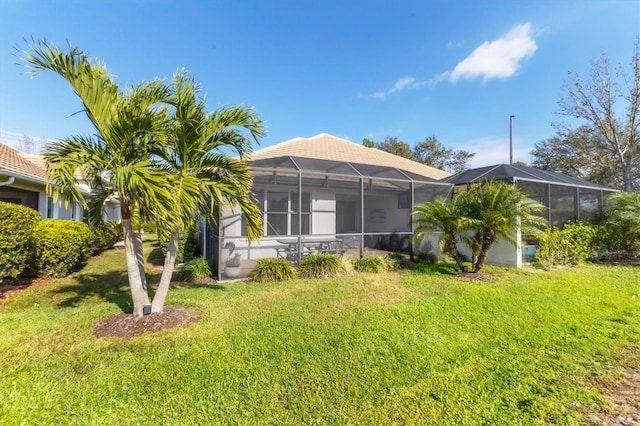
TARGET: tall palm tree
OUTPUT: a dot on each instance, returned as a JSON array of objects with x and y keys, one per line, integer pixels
[
  {"x": 202, "y": 174},
  {"x": 117, "y": 159},
  {"x": 500, "y": 210},
  {"x": 442, "y": 215}
]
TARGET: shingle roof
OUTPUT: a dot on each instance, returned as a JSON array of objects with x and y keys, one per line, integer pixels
[
  {"x": 19, "y": 164},
  {"x": 328, "y": 147},
  {"x": 510, "y": 172}
]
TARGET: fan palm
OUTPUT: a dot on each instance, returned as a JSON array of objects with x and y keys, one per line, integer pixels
[
  {"x": 116, "y": 160},
  {"x": 442, "y": 215},
  {"x": 500, "y": 210},
  {"x": 202, "y": 175}
]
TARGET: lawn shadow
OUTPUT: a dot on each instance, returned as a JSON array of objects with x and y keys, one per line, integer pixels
[
  {"x": 440, "y": 268},
  {"x": 111, "y": 286}
]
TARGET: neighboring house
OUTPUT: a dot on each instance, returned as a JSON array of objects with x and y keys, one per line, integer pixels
[
  {"x": 566, "y": 198},
  {"x": 326, "y": 194},
  {"x": 23, "y": 181}
]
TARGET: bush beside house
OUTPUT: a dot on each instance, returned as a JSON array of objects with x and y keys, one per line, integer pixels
[{"x": 17, "y": 225}]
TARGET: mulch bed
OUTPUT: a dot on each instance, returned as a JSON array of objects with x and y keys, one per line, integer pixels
[{"x": 126, "y": 326}]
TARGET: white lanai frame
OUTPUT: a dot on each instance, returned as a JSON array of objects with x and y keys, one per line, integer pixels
[{"x": 307, "y": 202}]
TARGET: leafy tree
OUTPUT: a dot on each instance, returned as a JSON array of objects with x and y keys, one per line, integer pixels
[
  {"x": 116, "y": 160},
  {"x": 596, "y": 100},
  {"x": 442, "y": 215},
  {"x": 578, "y": 153},
  {"x": 203, "y": 176},
  {"x": 430, "y": 152},
  {"x": 433, "y": 153},
  {"x": 498, "y": 209},
  {"x": 392, "y": 145}
]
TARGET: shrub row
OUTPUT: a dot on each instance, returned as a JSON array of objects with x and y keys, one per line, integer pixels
[
  {"x": 571, "y": 245},
  {"x": 321, "y": 265},
  {"x": 30, "y": 245}
]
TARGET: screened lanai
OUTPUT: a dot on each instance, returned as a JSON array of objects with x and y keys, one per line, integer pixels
[
  {"x": 312, "y": 205},
  {"x": 566, "y": 198}
]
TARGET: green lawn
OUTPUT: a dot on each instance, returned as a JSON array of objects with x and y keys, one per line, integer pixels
[{"x": 410, "y": 347}]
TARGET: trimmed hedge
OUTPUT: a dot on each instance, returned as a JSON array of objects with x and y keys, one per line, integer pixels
[
  {"x": 570, "y": 245},
  {"x": 16, "y": 239},
  {"x": 61, "y": 245}
]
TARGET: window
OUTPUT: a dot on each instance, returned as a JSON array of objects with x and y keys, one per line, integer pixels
[
  {"x": 281, "y": 213},
  {"x": 50, "y": 208}
]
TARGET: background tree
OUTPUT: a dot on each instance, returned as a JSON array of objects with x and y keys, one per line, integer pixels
[
  {"x": 429, "y": 152},
  {"x": 432, "y": 153},
  {"x": 578, "y": 153},
  {"x": 597, "y": 100},
  {"x": 392, "y": 145}
]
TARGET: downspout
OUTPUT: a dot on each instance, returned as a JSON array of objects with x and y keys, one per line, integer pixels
[{"x": 9, "y": 182}]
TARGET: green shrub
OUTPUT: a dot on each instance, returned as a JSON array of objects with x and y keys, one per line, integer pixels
[
  {"x": 104, "y": 237},
  {"x": 621, "y": 215},
  {"x": 16, "y": 238},
  {"x": 61, "y": 245},
  {"x": 320, "y": 265},
  {"x": 395, "y": 260},
  {"x": 269, "y": 270},
  {"x": 426, "y": 258},
  {"x": 368, "y": 264},
  {"x": 195, "y": 269},
  {"x": 571, "y": 245}
]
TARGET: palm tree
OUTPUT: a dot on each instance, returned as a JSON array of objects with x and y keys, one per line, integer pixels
[
  {"x": 500, "y": 209},
  {"x": 116, "y": 160},
  {"x": 203, "y": 176},
  {"x": 442, "y": 215}
]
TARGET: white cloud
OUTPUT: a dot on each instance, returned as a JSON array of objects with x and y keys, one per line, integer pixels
[
  {"x": 400, "y": 85},
  {"x": 500, "y": 58}
]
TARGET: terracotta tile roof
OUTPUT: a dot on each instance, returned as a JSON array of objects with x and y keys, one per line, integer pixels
[
  {"x": 328, "y": 147},
  {"x": 18, "y": 164}
]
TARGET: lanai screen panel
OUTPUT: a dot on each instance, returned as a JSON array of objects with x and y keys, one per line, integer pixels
[
  {"x": 589, "y": 205},
  {"x": 563, "y": 202}
]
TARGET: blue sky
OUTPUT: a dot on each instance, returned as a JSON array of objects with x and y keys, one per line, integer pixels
[{"x": 354, "y": 69}]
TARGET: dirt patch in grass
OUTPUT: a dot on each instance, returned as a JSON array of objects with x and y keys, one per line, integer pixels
[
  {"x": 626, "y": 258},
  {"x": 126, "y": 326},
  {"x": 475, "y": 276},
  {"x": 625, "y": 396}
]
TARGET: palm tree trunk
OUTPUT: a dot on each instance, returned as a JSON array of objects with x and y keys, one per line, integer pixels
[
  {"x": 139, "y": 255},
  {"x": 138, "y": 294},
  {"x": 169, "y": 262},
  {"x": 453, "y": 250}
]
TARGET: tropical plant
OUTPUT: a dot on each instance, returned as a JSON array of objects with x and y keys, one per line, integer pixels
[
  {"x": 195, "y": 269},
  {"x": 442, "y": 215},
  {"x": 372, "y": 264},
  {"x": 116, "y": 160},
  {"x": 202, "y": 175},
  {"x": 269, "y": 270},
  {"x": 320, "y": 265},
  {"x": 497, "y": 209}
]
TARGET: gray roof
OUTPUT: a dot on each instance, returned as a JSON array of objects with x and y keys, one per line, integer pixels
[{"x": 515, "y": 173}]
